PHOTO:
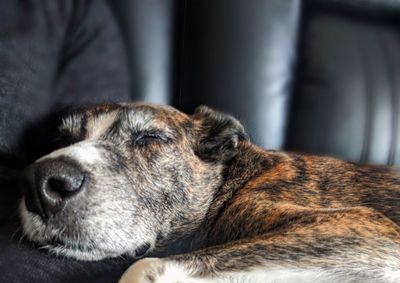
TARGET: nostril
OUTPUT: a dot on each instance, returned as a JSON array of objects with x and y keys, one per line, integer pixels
[
  {"x": 64, "y": 186},
  {"x": 59, "y": 186},
  {"x": 56, "y": 184}
]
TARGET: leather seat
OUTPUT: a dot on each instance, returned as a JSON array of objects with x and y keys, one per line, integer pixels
[
  {"x": 319, "y": 77},
  {"x": 346, "y": 103}
]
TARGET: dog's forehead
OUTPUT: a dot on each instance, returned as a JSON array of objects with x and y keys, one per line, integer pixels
[{"x": 96, "y": 121}]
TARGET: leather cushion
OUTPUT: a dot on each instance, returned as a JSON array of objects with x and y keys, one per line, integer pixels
[
  {"x": 238, "y": 57},
  {"x": 348, "y": 96}
]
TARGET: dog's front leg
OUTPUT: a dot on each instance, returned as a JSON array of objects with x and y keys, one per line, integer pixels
[
  {"x": 340, "y": 259},
  {"x": 155, "y": 270},
  {"x": 354, "y": 245},
  {"x": 255, "y": 261}
]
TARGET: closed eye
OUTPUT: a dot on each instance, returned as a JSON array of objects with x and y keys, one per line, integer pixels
[
  {"x": 142, "y": 138},
  {"x": 63, "y": 139}
]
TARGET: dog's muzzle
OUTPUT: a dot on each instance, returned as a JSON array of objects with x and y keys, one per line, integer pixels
[{"x": 50, "y": 184}]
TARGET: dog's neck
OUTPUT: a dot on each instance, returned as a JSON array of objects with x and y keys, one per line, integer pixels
[{"x": 249, "y": 162}]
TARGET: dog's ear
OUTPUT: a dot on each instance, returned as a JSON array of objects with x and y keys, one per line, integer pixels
[{"x": 217, "y": 134}]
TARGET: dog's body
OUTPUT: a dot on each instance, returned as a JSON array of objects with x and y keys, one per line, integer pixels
[{"x": 195, "y": 191}]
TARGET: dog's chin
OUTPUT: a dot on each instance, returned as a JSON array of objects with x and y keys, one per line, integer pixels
[
  {"x": 47, "y": 239},
  {"x": 78, "y": 253}
]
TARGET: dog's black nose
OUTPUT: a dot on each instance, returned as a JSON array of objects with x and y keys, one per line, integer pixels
[{"x": 50, "y": 184}]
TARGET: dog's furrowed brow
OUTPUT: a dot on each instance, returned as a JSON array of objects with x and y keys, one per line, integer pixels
[
  {"x": 131, "y": 122},
  {"x": 98, "y": 126}
]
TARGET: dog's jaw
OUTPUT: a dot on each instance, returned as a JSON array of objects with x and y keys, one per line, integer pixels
[{"x": 51, "y": 240}]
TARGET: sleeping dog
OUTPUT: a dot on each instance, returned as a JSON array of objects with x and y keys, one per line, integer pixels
[{"x": 202, "y": 203}]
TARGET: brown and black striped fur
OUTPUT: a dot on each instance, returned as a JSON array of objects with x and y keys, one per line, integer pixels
[
  {"x": 222, "y": 209},
  {"x": 278, "y": 210}
]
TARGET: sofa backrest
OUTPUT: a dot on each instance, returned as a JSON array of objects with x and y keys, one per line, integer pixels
[{"x": 316, "y": 76}]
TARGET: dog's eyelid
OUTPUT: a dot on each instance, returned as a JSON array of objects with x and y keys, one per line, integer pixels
[
  {"x": 150, "y": 134},
  {"x": 63, "y": 139}
]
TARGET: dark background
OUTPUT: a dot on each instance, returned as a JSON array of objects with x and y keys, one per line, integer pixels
[{"x": 312, "y": 76}]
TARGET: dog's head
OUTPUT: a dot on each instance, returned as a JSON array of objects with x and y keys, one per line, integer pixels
[{"x": 125, "y": 178}]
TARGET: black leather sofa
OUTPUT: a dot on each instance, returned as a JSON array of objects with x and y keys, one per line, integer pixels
[
  {"x": 315, "y": 76},
  {"x": 312, "y": 76}
]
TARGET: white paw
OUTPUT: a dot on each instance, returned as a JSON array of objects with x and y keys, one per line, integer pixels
[
  {"x": 156, "y": 270},
  {"x": 144, "y": 270}
]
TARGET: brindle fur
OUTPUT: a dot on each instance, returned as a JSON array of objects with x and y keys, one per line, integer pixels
[{"x": 221, "y": 208}]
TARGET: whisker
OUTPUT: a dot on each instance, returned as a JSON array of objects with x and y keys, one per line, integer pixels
[
  {"x": 23, "y": 236},
  {"x": 16, "y": 232}
]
